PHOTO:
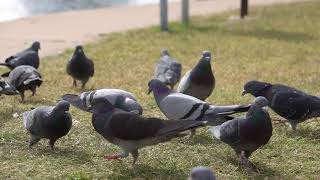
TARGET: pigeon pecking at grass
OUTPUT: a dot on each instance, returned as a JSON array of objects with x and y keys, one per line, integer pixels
[
  {"x": 201, "y": 173},
  {"x": 29, "y": 57},
  {"x": 199, "y": 82},
  {"x": 176, "y": 106},
  {"x": 80, "y": 67},
  {"x": 50, "y": 122},
  {"x": 245, "y": 135},
  {"x": 83, "y": 101},
  {"x": 131, "y": 131},
  {"x": 25, "y": 78},
  {"x": 167, "y": 70},
  {"x": 290, "y": 103}
]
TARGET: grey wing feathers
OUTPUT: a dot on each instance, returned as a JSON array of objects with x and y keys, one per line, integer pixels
[{"x": 184, "y": 83}]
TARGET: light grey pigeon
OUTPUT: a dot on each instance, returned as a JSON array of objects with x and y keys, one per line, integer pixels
[
  {"x": 176, "y": 106},
  {"x": 29, "y": 57},
  {"x": 167, "y": 70},
  {"x": 201, "y": 173},
  {"x": 80, "y": 67},
  {"x": 7, "y": 89},
  {"x": 83, "y": 102},
  {"x": 245, "y": 135},
  {"x": 131, "y": 131},
  {"x": 50, "y": 122},
  {"x": 25, "y": 78},
  {"x": 290, "y": 103},
  {"x": 199, "y": 82}
]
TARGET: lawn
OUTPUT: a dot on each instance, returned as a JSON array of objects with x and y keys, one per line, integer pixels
[{"x": 278, "y": 44}]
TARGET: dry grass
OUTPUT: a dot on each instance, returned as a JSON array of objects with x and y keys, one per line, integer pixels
[{"x": 281, "y": 44}]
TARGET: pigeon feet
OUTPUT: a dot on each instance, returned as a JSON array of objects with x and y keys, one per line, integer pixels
[{"x": 112, "y": 157}]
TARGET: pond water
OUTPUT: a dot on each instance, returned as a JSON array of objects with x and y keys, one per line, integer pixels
[{"x": 14, "y": 9}]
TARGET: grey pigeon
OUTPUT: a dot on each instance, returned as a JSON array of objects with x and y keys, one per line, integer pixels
[
  {"x": 131, "y": 131},
  {"x": 201, "y": 173},
  {"x": 199, "y": 82},
  {"x": 25, "y": 78},
  {"x": 29, "y": 57},
  {"x": 80, "y": 67},
  {"x": 50, "y": 122},
  {"x": 83, "y": 102},
  {"x": 7, "y": 89},
  {"x": 245, "y": 135},
  {"x": 167, "y": 69},
  {"x": 290, "y": 103}
]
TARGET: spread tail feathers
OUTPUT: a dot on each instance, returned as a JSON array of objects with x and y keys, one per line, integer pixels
[
  {"x": 75, "y": 101},
  {"x": 215, "y": 131},
  {"x": 174, "y": 128}
]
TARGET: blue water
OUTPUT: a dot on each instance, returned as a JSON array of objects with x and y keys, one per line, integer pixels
[{"x": 14, "y": 9}]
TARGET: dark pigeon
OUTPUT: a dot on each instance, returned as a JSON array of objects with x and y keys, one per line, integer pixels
[
  {"x": 83, "y": 101},
  {"x": 7, "y": 89},
  {"x": 290, "y": 103},
  {"x": 199, "y": 82},
  {"x": 80, "y": 67},
  {"x": 131, "y": 131},
  {"x": 50, "y": 122},
  {"x": 25, "y": 78},
  {"x": 245, "y": 135},
  {"x": 201, "y": 173},
  {"x": 29, "y": 57},
  {"x": 167, "y": 70}
]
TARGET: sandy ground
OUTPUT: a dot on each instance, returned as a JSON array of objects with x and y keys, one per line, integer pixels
[{"x": 56, "y": 32}]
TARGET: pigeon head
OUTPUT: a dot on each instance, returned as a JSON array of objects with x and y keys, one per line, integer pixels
[
  {"x": 255, "y": 88},
  {"x": 164, "y": 52},
  {"x": 78, "y": 50},
  {"x": 36, "y": 46},
  {"x": 206, "y": 56},
  {"x": 100, "y": 105},
  {"x": 201, "y": 173},
  {"x": 62, "y": 106},
  {"x": 261, "y": 101},
  {"x": 157, "y": 87}
]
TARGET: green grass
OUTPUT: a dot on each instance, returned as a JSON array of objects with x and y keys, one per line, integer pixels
[{"x": 279, "y": 44}]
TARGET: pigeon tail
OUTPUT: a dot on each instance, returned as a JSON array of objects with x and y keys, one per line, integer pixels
[
  {"x": 6, "y": 74},
  {"x": 36, "y": 81},
  {"x": 75, "y": 101},
  {"x": 227, "y": 110},
  {"x": 215, "y": 131},
  {"x": 3, "y": 64},
  {"x": 25, "y": 116}
]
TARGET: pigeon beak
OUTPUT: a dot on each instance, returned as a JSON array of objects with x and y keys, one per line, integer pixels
[
  {"x": 149, "y": 91},
  {"x": 244, "y": 92}
]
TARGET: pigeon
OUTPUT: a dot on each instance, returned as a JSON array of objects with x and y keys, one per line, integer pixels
[
  {"x": 245, "y": 135},
  {"x": 131, "y": 131},
  {"x": 201, "y": 173},
  {"x": 180, "y": 106},
  {"x": 29, "y": 57},
  {"x": 50, "y": 122},
  {"x": 80, "y": 67},
  {"x": 25, "y": 78},
  {"x": 290, "y": 103},
  {"x": 199, "y": 82},
  {"x": 7, "y": 89},
  {"x": 167, "y": 69},
  {"x": 84, "y": 101}
]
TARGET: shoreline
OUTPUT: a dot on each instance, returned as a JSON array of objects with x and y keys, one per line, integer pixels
[{"x": 60, "y": 31}]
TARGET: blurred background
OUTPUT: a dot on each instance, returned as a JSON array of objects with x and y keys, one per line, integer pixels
[{"x": 14, "y": 9}]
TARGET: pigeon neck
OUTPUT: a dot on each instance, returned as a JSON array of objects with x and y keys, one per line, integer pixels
[{"x": 256, "y": 115}]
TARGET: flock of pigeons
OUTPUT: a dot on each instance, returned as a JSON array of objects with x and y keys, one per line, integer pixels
[{"x": 117, "y": 115}]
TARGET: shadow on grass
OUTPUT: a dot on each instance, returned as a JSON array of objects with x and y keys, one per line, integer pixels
[
  {"x": 143, "y": 171},
  {"x": 198, "y": 138}
]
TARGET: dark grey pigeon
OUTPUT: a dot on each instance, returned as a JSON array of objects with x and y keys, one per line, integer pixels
[
  {"x": 199, "y": 82},
  {"x": 167, "y": 70},
  {"x": 50, "y": 122},
  {"x": 83, "y": 101},
  {"x": 131, "y": 131},
  {"x": 29, "y": 57},
  {"x": 7, "y": 89},
  {"x": 245, "y": 135},
  {"x": 180, "y": 106},
  {"x": 201, "y": 173},
  {"x": 25, "y": 78},
  {"x": 80, "y": 67},
  {"x": 290, "y": 103}
]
